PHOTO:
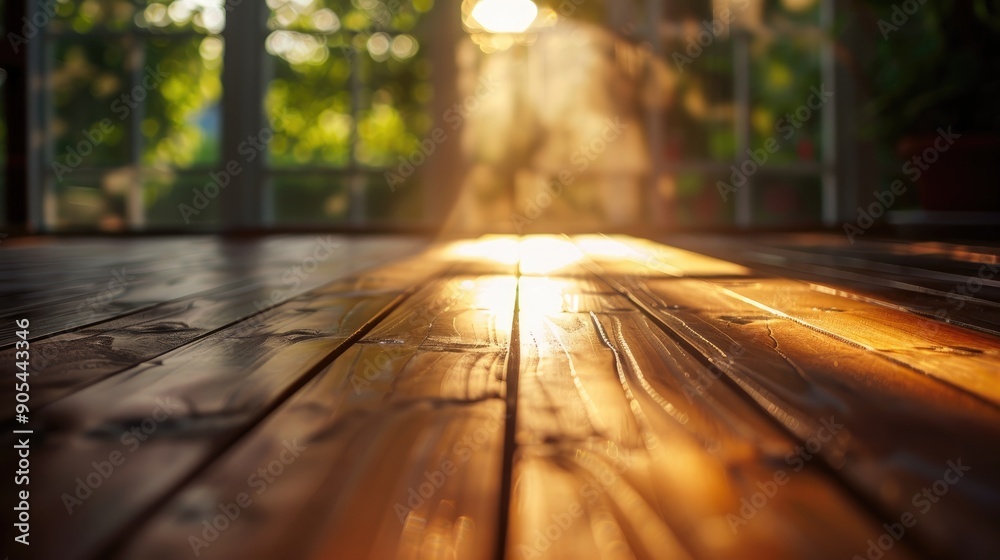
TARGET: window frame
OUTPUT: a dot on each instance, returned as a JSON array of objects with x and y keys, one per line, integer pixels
[
  {"x": 828, "y": 169},
  {"x": 246, "y": 202}
]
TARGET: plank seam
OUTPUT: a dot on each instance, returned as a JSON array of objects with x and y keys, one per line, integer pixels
[
  {"x": 117, "y": 540},
  {"x": 918, "y": 545},
  {"x": 510, "y": 429}
]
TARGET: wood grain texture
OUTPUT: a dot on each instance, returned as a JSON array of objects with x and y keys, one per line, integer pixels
[
  {"x": 171, "y": 414},
  {"x": 626, "y": 426},
  {"x": 801, "y": 376},
  {"x": 503, "y": 397},
  {"x": 424, "y": 389},
  {"x": 942, "y": 281},
  {"x": 65, "y": 363},
  {"x": 77, "y": 283}
]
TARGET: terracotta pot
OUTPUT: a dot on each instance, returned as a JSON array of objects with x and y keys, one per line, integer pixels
[{"x": 963, "y": 177}]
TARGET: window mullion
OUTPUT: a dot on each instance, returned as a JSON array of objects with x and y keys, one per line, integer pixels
[
  {"x": 829, "y": 155},
  {"x": 243, "y": 83},
  {"x": 135, "y": 211},
  {"x": 741, "y": 87},
  {"x": 40, "y": 195},
  {"x": 358, "y": 182}
]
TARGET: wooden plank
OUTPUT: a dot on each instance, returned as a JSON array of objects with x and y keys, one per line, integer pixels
[
  {"x": 963, "y": 299},
  {"x": 949, "y": 306},
  {"x": 901, "y": 428},
  {"x": 218, "y": 387},
  {"x": 66, "y": 291},
  {"x": 928, "y": 255},
  {"x": 652, "y": 408},
  {"x": 65, "y": 363},
  {"x": 624, "y": 256},
  {"x": 67, "y": 286},
  {"x": 957, "y": 356},
  {"x": 458, "y": 313},
  {"x": 985, "y": 276},
  {"x": 630, "y": 447},
  {"x": 403, "y": 435},
  {"x": 392, "y": 483}
]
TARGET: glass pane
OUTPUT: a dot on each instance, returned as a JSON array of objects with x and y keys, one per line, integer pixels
[
  {"x": 697, "y": 97},
  {"x": 342, "y": 198},
  {"x": 786, "y": 15},
  {"x": 92, "y": 111},
  {"x": 384, "y": 206},
  {"x": 787, "y": 201},
  {"x": 181, "y": 122},
  {"x": 680, "y": 10},
  {"x": 787, "y": 97},
  {"x": 89, "y": 14},
  {"x": 201, "y": 16},
  {"x": 699, "y": 202},
  {"x": 303, "y": 200},
  {"x": 180, "y": 201},
  {"x": 309, "y": 15},
  {"x": 792, "y": 12},
  {"x": 392, "y": 119},
  {"x": 86, "y": 202},
  {"x": 309, "y": 98},
  {"x": 328, "y": 16}
]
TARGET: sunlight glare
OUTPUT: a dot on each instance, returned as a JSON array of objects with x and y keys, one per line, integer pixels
[
  {"x": 599, "y": 246},
  {"x": 493, "y": 294},
  {"x": 500, "y": 249},
  {"x": 544, "y": 255},
  {"x": 505, "y": 16},
  {"x": 542, "y": 296}
]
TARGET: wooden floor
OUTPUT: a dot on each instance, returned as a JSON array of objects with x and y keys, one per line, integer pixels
[{"x": 541, "y": 397}]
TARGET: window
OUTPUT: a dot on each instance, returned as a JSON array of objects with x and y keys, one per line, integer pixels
[
  {"x": 747, "y": 141},
  {"x": 726, "y": 118},
  {"x": 142, "y": 120},
  {"x": 347, "y": 88},
  {"x": 212, "y": 114}
]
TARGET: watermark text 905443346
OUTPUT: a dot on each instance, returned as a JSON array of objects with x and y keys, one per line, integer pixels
[{"x": 22, "y": 435}]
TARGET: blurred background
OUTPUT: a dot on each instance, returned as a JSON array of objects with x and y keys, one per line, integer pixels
[{"x": 496, "y": 115}]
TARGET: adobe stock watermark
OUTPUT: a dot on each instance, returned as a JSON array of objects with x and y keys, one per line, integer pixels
[
  {"x": 546, "y": 536},
  {"x": 581, "y": 159},
  {"x": 972, "y": 286},
  {"x": 957, "y": 298},
  {"x": 260, "y": 480},
  {"x": 461, "y": 452},
  {"x": 719, "y": 367},
  {"x": 379, "y": 17},
  {"x": 132, "y": 438},
  {"x": 363, "y": 376},
  {"x": 100, "y": 301},
  {"x": 913, "y": 169},
  {"x": 707, "y": 33},
  {"x": 901, "y": 13},
  {"x": 923, "y": 501},
  {"x": 796, "y": 459},
  {"x": 31, "y": 25},
  {"x": 122, "y": 106},
  {"x": 787, "y": 127},
  {"x": 455, "y": 117},
  {"x": 250, "y": 148},
  {"x": 293, "y": 276}
]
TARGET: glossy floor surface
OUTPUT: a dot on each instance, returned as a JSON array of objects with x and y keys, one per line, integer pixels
[{"x": 536, "y": 397}]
